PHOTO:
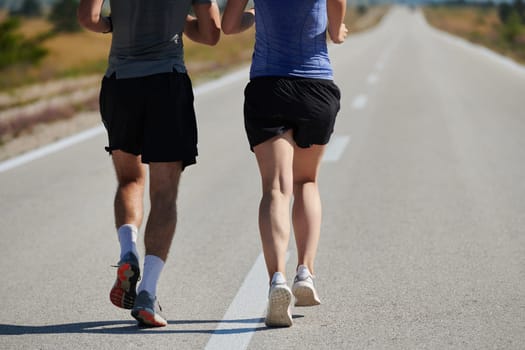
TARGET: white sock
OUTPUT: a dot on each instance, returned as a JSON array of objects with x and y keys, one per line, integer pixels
[
  {"x": 153, "y": 266},
  {"x": 127, "y": 237}
]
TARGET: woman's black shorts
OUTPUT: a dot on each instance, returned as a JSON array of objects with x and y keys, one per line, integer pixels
[
  {"x": 274, "y": 105},
  {"x": 152, "y": 116}
]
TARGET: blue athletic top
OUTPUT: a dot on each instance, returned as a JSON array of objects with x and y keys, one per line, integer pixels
[{"x": 290, "y": 39}]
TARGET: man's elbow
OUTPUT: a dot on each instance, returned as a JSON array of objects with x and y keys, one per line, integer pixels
[
  {"x": 82, "y": 19},
  {"x": 86, "y": 20}
]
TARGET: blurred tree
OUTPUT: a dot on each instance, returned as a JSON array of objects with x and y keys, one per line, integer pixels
[
  {"x": 64, "y": 16},
  {"x": 30, "y": 8},
  {"x": 519, "y": 5},
  {"x": 512, "y": 28},
  {"x": 16, "y": 49},
  {"x": 504, "y": 10},
  {"x": 362, "y": 9}
]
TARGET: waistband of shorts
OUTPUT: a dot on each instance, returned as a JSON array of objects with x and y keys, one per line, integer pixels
[
  {"x": 291, "y": 78},
  {"x": 113, "y": 76}
]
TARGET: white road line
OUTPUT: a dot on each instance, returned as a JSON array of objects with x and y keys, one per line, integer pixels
[
  {"x": 223, "y": 81},
  {"x": 481, "y": 50},
  {"x": 247, "y": 309},
  {"x": 360, "y": 101},
  {"x": 90, "y": 133},
  {"x": 372, "y": 79},
  {"x": 467, "y": 45},
  {"x": 335, "y": 148},
  {"x": 51, "y": 148}
]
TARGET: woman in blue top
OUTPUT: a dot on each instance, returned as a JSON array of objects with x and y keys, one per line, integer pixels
[{"x": 290, "y": 107}]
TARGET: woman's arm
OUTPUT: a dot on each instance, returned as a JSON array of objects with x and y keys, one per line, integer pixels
[
  {"x": 336, "y": 10},
  {"x": 235, "y": 18},
  {"x": 205, "y": 28},
  {"x": 89, "y": 16}
]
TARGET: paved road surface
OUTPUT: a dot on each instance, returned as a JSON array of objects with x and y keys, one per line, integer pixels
[{"x": 423, "y": 243}]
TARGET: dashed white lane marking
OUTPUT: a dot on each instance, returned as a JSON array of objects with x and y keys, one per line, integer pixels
[
  {"x": 360, "y": 101},
  {"x": 335, "y": 148},
  {"x": 372, "y": 79}
]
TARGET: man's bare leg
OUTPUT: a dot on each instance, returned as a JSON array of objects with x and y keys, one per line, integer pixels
[
  {"x": 131, "y": 176},
  {"x": 160, "y": 229},
  {"x": 128, "y": 206}
]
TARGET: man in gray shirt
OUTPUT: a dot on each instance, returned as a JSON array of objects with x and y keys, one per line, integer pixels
[{"x": 146, "y": 103}]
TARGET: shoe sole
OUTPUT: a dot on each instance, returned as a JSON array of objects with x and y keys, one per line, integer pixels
[
  {"x": 279, "y": 308},
  {"x": 305, "y": 295},
  {"x": 124, "y": 292},
  {"x": 148, "y": 319}
]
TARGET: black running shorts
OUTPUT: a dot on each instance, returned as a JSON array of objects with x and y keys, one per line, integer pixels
[
  {"x": 152, "y": 116},
  {"x": 274, "y": 105}
]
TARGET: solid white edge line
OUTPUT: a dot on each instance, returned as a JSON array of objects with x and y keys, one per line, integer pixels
[
  {"x": 51, "y": 148},
  {"x": 248, "y": 304},
  {"x": 230, "y": 78},
  {"x": 246, "y": 309},
  {"x": 482, "y": 50},
  {"x": 90, "y": 133}
]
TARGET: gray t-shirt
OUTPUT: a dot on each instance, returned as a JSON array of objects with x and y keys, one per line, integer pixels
[{"x": 147, "y": 36}]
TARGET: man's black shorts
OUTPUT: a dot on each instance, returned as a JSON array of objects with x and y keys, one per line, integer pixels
[
  {"x": 152, "y": 116},
  {"x": 274, "y": 105}
]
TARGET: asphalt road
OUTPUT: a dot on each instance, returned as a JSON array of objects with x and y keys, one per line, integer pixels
[{"x": 423, "y": 239}]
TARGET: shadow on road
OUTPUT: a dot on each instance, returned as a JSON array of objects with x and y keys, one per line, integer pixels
[{"x": 129, "y": 327}]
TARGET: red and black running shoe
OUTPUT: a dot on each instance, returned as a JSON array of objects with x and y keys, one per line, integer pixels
[{"x": 124, "y": 290}]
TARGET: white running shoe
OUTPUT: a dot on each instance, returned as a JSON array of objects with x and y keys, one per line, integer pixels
[
  {"x": 279, "y": 300},
  {"x": 303, "y": 288}
]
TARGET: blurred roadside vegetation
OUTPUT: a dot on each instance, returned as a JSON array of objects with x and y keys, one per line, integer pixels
[
  {"x": 15, "y": 48},
  {"x": 38, "y": 45},
  {"x": 500, "y": 27},
  {"x": 53, "y": 68}
]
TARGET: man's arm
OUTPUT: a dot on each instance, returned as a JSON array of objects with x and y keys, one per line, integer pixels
[
  {"x": 89, "y": 16},
  {"x": 235, "y": 18},
  {"x": 205, "y": 28},
  {"x": 336, "y": 10}
]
